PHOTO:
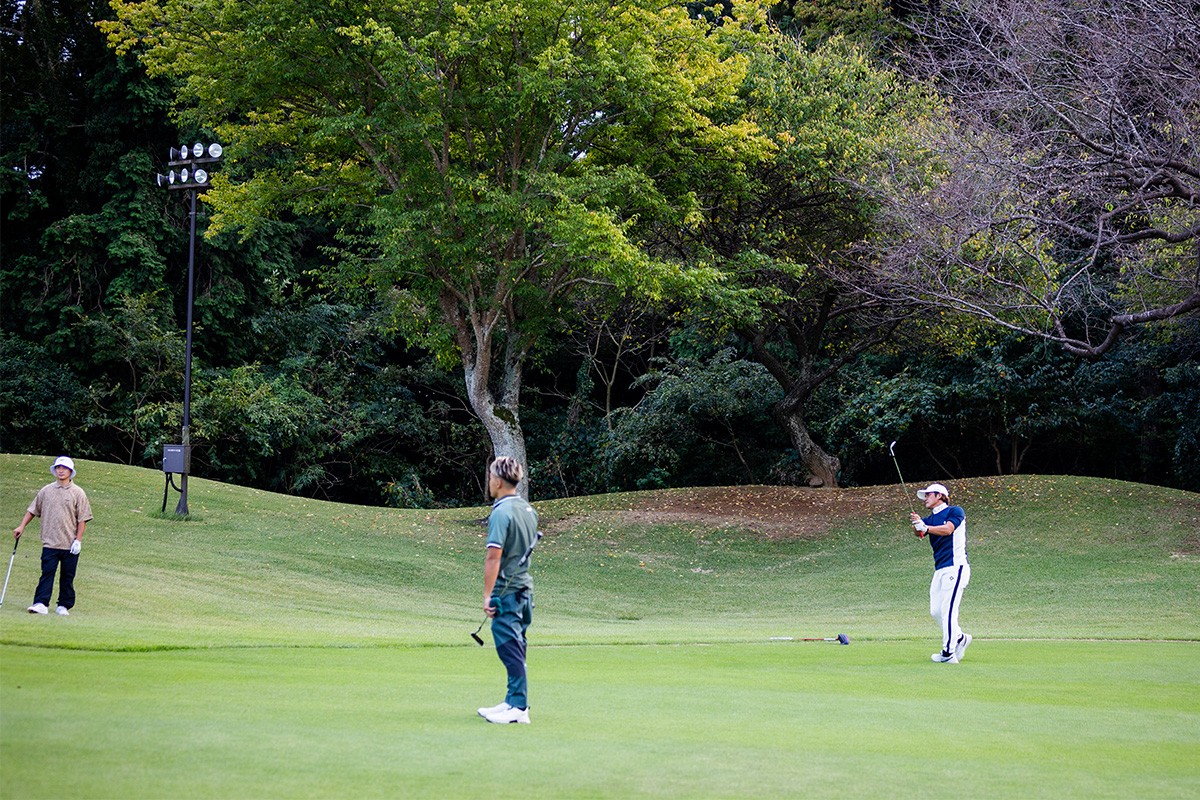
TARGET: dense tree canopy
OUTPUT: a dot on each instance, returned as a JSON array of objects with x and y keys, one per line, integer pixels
[
  {"x": 483, "y": 159},
  {"x": 784, "y": 238},
  {"x": 82, "y": 224},
  {"x": 420, "y": 193}
]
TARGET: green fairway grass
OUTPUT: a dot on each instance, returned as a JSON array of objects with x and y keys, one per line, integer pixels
[{"x": 281, "y": 647}]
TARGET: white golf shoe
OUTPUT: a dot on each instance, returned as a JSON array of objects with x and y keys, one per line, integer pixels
[
  {"x": 508, "y": 714},
  {"x": 960, "y": 648},
  {"x": 944, "y": 658},
  {"x": 39, "y": 608},
  {"x": 483, "y": 712},
  {"x": 62, "y": 611}
]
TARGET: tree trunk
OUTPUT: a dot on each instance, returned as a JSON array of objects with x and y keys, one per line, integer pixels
[
  {"x": 822, "y": 468},
  {"x": 503, "y": 425},
  {"x": 498, "y": 409}
]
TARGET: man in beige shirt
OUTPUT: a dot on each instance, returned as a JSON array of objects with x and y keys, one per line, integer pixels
[{"x": 65, "y": 512}]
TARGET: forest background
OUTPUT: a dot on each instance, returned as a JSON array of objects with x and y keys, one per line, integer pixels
[{"x": 751, "y": 245}]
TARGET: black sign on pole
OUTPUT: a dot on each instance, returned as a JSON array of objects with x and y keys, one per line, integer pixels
[{"x": 177, "y": 460}]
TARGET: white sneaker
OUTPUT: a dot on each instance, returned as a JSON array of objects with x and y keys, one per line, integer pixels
[
  {"x": 509, "y": 714},
  {"x": 62, "y": 611},
  {"x": 960, "y": 649},
  {"x": 483, "y": 712},
  {"x": 39, "y": 608},
  {"x": 944, "y": 658}
]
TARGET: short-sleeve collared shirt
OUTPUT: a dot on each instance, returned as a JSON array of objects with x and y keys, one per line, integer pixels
[
  {"x": 948, "y": 551},
  {"x": 512, "y": 527},
  {"x": 61, "y": 509}
]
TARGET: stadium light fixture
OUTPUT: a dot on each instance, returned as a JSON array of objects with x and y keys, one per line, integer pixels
[{"x": 188, "y": 171}]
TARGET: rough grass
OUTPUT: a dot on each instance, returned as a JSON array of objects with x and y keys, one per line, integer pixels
[{"x": 278, "y": 647}]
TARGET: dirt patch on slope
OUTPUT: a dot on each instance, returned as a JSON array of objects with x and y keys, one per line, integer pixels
[{"x": 777, "y": 512}]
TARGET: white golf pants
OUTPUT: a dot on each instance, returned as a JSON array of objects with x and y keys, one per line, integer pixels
[{"x": 945, "y": 596}]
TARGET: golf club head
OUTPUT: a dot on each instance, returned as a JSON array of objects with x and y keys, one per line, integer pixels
[
  {"x": 843, "y": 638},
  {"x": 477, "y": 638}
]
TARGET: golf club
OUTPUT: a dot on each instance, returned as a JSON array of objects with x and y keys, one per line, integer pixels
[
  {"x": 524, "y": 560},
  {"x": 9, "y": 574},
  {"x": 841, "y": 638},
  {"x": 475, "y": 633},
  {"x": 912, "y": 506}
]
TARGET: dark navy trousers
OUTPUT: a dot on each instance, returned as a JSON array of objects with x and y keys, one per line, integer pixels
[
  {"x": 513, "y": 616},
  {"x": 57, "y": 561}
]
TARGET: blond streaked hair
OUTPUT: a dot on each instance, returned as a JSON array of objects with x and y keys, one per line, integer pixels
[{"x": 507, "y": 469}]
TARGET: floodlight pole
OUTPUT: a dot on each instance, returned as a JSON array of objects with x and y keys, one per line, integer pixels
[
  {"x": 192, "y": 177},
  {"x": 182, "y": 508}
]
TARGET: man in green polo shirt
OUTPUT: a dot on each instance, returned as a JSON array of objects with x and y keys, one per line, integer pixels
[
  {"x": 65, "y": 512},
  {"x": 507, "y": 585}
]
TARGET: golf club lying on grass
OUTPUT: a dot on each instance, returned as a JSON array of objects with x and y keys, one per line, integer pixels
[
  {"x": 524, "y": 560},
  {"x": 841, "y": 638},
  {"x": 7, "y": 576},
  {"x": 912, "y": 506}
]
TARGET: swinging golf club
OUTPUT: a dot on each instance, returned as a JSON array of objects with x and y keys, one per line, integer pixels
[
  {"x": 524, "y": 560},
  {"x": 9, "y": 574},
  {"x": 912, "y": 507},
  {"x": 841, "y": 638}
]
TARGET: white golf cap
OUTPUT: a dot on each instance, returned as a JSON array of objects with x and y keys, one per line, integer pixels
[
  {"x": 933, "y": 487},
  {"x": 63, "y": 461}
]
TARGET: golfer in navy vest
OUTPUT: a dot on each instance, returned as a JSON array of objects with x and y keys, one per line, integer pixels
[
  {"x": 946, "y": 527},
  {"x": 507, "y": 585}
]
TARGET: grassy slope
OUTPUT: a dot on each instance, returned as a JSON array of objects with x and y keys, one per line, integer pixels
[{"x": 278, "y": 647}]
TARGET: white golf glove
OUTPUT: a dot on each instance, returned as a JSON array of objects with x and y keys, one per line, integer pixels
[
  {"x": 76, "y": 546},
  {"x": 920, "y": 526}
]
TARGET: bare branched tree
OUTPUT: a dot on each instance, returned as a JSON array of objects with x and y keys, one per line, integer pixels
[{"x": 1065, "y": 200}]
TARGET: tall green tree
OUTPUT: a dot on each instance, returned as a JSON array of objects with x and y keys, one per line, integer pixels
[
  {"x": 785, "y": 236},
  {"x": 483, "y": 159}
]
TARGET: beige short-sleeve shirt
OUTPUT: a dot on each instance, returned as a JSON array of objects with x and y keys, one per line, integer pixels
[{"x": 61, "y": 509}]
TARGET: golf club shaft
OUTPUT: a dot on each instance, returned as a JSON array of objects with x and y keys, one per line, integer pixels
[
  {"x": 912, "y": 507},
  {"x": 841, "y": 638},
  {"x": 9, "y": 573}
]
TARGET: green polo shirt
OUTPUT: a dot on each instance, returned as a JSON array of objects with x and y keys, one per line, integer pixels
[{"x": 512, "y": 527}]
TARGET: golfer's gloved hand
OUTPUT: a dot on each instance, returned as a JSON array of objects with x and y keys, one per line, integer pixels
[
  {"x": 76, "y": 546},
  {"x": 920, "y": 526}
]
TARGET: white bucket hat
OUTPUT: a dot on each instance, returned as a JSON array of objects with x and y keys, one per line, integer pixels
[
  {"x": 933, "y": 487},
  {"x": 63, "y": 461}
]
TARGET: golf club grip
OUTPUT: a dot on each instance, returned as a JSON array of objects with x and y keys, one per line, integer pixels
[{"x": 529, "y": 553}]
